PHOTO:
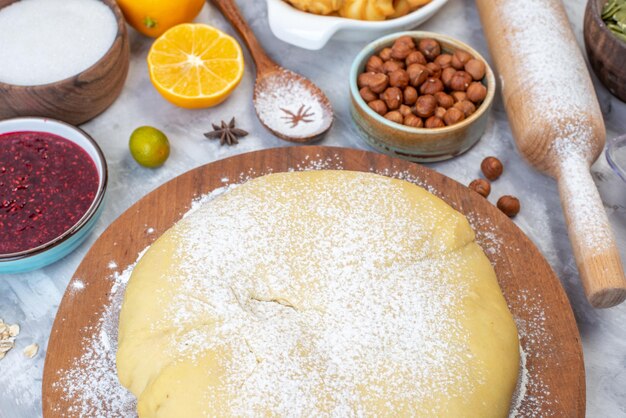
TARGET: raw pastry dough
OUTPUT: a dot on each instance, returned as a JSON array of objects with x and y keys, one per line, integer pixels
[
  {"x": 367, "y": 9},
  {"x": 320, "y": 293},
  {"x": 320, "y": 7},
  {"x": 359, "y": 9}
]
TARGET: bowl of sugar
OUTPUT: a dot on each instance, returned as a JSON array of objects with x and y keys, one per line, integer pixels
[{"x": 61, "y": 59}]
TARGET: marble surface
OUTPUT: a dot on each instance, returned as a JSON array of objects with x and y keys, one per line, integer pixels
[{"x": 32, "y": 299}]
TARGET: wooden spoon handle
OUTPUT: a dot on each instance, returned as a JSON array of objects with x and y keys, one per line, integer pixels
[
  {"x": 596, "y": 253},
  {"x": 229, "y": 9}
]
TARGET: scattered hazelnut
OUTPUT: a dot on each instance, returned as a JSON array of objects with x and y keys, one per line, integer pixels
[
  {"x": 434, "y": 70},
  {"x": 394, "y": 116},
  {"x": 440, "y": 112},
  {"x": 431, "y": 86},
  {"x": 466, "y": 107},
  {"x": 418, "y": 73},
  {"x": 367, "y": 94},
  {"x": 413, "y": 121},
  {"x": 405, "y": 110},
  {"x": 444, "y": 100},
  {"x": 374, "y": 64},
  {"x": 415, "y": 57},
  {"x": 378, "y": 106},
  {"x": 453, "y": 115},
  {"x": 460, "y": 58},
  {"x": 385, "y": 54},
  {"x": 444, "y": 60},
  {"x": 460, "y": 81},
  {"x": 405, "y": 40},
  {"x": 401, "y": 50},
  {"x": 392, "y": 97},
  {"x": 410, "y": 95},
  {"x": 446, "y": 75},
  {"x": 492, "y": 168},
  {"x": 391, "y": 66},
  {"x": 425, "y": 106},
  {"x": 509, "y": 205},
  {"x": 481, "y": 186},
  {"x": 458, "y": 96},
  {"x": 475, "y": 68},
  {"x": 377, "y": 82},
  {"x": 476, "y": 92},
  {"x": 434, "y": 122},
  {"x": 399, "y": 78},
  {"x": 430, "y": 48}
]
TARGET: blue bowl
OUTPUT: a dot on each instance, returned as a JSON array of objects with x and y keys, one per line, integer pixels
[{"x": 67, "y": 242}]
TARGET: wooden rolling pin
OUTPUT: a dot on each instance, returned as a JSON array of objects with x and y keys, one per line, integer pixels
[{"x": 557, "y": 125}]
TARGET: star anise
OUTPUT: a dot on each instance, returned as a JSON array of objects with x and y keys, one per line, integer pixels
[
  {"x": 304, "y": 115},
  {"x": 226, "y": 132}
]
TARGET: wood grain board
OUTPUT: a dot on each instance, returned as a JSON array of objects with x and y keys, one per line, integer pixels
[{"x": 549, "y": 336}]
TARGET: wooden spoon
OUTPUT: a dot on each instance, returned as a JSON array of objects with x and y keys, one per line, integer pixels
[{"x": 287, "y": 104}]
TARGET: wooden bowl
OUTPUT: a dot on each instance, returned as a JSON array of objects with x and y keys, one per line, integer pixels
[
  {"x": 79, "y": 98},
  {"x": 418, "y": 144},
  {"x": 607, "y": 53}
]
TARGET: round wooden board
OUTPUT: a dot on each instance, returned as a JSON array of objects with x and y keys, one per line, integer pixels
[{"x": 548, "y": 334}]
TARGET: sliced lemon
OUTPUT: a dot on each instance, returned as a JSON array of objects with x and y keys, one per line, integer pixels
[{"x": 194, "y": 65}]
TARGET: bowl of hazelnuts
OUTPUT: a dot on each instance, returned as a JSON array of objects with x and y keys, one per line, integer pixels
[{"x": 421, "y": 96}]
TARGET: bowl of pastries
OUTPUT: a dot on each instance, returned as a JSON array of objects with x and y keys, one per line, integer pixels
[{"x": 311, "y": 23}]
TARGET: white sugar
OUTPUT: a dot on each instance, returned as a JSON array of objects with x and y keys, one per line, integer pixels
[{"x": 43, "y": 41}]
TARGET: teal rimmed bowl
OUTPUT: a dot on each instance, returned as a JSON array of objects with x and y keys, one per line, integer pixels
[
  {"x": 418, "y": 144},
  {"x": 69, "y": 240}
]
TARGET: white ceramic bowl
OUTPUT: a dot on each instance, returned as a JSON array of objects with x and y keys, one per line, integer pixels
[{"x": 311, "y": 31}]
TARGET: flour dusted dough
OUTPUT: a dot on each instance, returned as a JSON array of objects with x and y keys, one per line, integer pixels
[{"x": 320, "y": 293}]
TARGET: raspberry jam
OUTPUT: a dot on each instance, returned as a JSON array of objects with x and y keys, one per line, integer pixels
[{"x": 47, "y": 183}]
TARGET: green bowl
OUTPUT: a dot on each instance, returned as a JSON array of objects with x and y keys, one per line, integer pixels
[{"x": 418, "y": 144}]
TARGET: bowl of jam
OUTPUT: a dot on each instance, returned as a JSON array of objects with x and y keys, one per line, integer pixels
[{"x": 53, "y": 178}]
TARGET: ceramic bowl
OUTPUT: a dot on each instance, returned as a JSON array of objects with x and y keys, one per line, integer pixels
[
  {"x": 607, "y": 53},
  {"x": 616, "y": 155},
  {"x": 418, "y": 144},
  {"x": 79, "y": 98},
  {"x": 67, "y": 242},
  {"x": 311, "y": 31}
]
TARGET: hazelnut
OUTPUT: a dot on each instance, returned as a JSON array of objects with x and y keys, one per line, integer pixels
[
  {"x": 367, "y": 94},
  {"x": 385, "y": 54},
  {"x": 401, "y": 50},
  {"x": 391, "y": 66},
  {"x": 440, "y": 112},
  {"x": 399, "y": 78},
  {"x": 460, "y": 81},
  {"x": 425, "y": 106},
  {"x": 444, "y": 100},
  {"x": 475, "y": 68},
  {"x": 444, "y": 60},
  {"x": 453, "y": 115},
  {"x": 430, "y": 48},
  {"x": 460, "y": 58},
  {"x": 434, "y": 122},
  {"x": 378, "y": 106},
  {"x": 405, "y": 110},
  {"x": 446, "y": 75},
  {"x": 492, "y": 168},
  {"x": 377, "y": 82},
  {"x": 434, "y": 70},
  {"x": 418, "y": 73},
  {"x": 413, "y": 121},
  {"x": 374, "y": 64},
  {"x": 394, "y": 116},
  {"x": 410, "y": 95},
  {"x": 476, "y": 92},
  {"x": 509, "y": 205},
  {"x": 392, "y": 97},
  {"x": 481, "y": 186},
  {"x": 431, "y": 86},
  {"x": 415, "y": 57},
  {"x": 405, "y": 40},
  {"x": 466, "y": 107},
  {"x": 458, "y": 96}
]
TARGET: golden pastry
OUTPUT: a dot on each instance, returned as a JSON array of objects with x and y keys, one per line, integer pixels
[
  {"x": 367, "y": 9},
  {"x": 320, "y": 7},
  {"x": 360, "y": 9}
]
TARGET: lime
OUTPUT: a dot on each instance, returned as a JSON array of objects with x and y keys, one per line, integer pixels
[{"x": 149, "y": 146}]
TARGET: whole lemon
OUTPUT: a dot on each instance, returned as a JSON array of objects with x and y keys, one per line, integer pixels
[
  {"x": 149, "y": 146},
  {"x": 153, "y": 17}
]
